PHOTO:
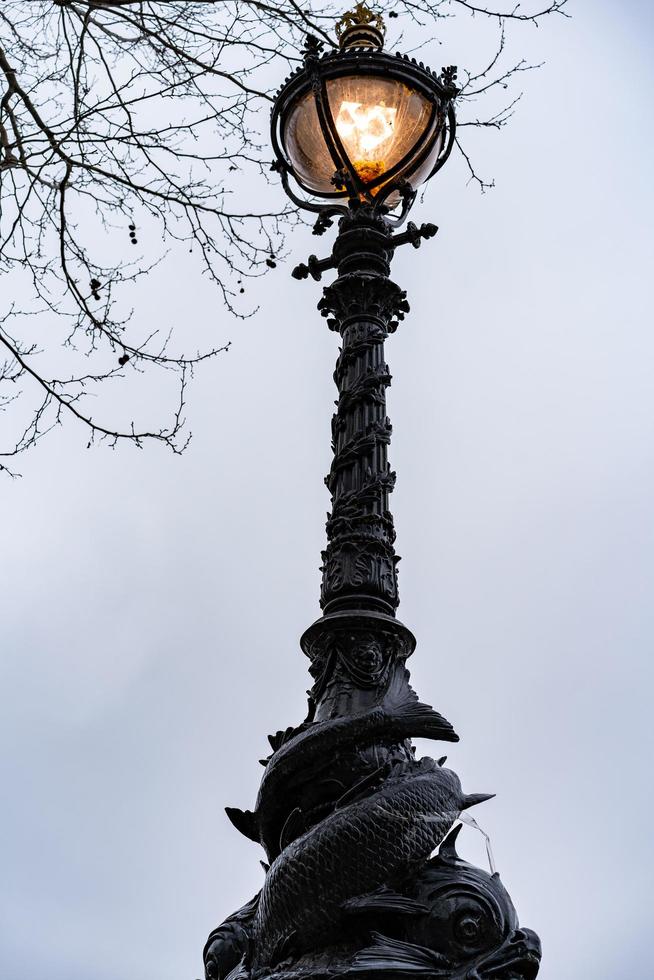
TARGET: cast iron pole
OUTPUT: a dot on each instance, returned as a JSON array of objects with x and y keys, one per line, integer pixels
[{"x": 346, "y": 813}]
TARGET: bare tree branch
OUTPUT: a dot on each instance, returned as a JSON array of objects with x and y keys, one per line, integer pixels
[{"x": 122, "y": 119}]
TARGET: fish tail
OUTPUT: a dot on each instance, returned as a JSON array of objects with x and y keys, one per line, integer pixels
[
  {"x": 421, "y": 721},
  {"x": 245, "y": 821}
]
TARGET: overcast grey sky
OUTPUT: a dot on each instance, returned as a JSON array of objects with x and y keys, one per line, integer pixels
[{"x": 151, "y": 605}]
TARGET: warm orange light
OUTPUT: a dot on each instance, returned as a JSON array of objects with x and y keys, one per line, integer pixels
[
  {"x": 379, "y": 120},
  {"x": 367, "y": 132}
]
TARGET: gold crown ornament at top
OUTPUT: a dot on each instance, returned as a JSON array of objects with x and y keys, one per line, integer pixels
[{"x": 361, "y": 28}]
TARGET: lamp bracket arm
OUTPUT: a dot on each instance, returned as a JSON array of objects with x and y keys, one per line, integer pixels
[
  {"x": 313, "y": 267},
  {"x": 413, "y": 235}
]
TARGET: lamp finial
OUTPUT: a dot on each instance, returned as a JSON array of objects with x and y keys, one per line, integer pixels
[{"x": 361, "y": 28}]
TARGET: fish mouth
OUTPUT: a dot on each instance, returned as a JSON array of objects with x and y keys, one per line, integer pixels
[{"x": 517, "y": 959}]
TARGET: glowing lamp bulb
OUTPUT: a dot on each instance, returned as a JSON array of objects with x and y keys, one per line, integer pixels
[{"x": 367, "y": 132}]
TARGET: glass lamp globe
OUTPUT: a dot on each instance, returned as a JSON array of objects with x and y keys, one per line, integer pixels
[
  {"x": 383, "y": 125},
  {"x": 355, "y": 120}
]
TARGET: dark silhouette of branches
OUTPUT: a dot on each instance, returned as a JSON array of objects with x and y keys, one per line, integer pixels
[{"x": 129, "y": 119}]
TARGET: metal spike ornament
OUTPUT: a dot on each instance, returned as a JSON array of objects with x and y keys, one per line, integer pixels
[{"x": 346, "y": 814}]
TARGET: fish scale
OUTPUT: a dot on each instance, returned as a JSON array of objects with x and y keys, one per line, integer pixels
[{"x": 354, "y": 851}]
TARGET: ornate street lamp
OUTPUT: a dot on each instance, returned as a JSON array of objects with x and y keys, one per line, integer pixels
[
  {"x": 360, "y": 124},
  {"x": 346, "y": 813}
]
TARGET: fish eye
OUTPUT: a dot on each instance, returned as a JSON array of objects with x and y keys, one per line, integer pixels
[
  {"x": 467, "y": 927},
  {"x": 470, "y": 928}
]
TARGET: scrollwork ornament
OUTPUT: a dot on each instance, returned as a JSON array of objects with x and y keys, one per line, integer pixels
[{"x": 359, "y": 565}]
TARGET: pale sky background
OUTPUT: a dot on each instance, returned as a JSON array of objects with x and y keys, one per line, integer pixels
[{"x": 151, "y": 605}]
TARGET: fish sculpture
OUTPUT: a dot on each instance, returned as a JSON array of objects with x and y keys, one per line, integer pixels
[
  {"x": 303, "y": 752},
  {"x": 361, "y": 847},
  {"x": 449, "y": 921},
  {"x": 468, "y": 931},
  {"x": 349, "y": 819}
]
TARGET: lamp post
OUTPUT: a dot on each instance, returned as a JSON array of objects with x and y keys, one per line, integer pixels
[{"x": 348, "y": 816}]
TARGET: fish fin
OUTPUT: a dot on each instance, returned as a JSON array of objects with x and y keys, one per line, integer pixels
[
  {"x": 264, "y": 762},
  {"x": 279, "y": 738},
  {"x": 239, "y": 971},
  {"x": 293, "y": 827},
  {"x": 384, "y": 900},
  {"x": 404, "y": 768},
  {"x": 472, "y": 799},
  {"x": 266, "y": 867},
  {"x": 447, "y": 851},
  {"x": 245, "y": 821},
  {"x": 394, "y": 955},
  {"x": 354, "y": 791},
  {"x": 283, "y": 947},
  {"x": 442, "y": 760}
]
